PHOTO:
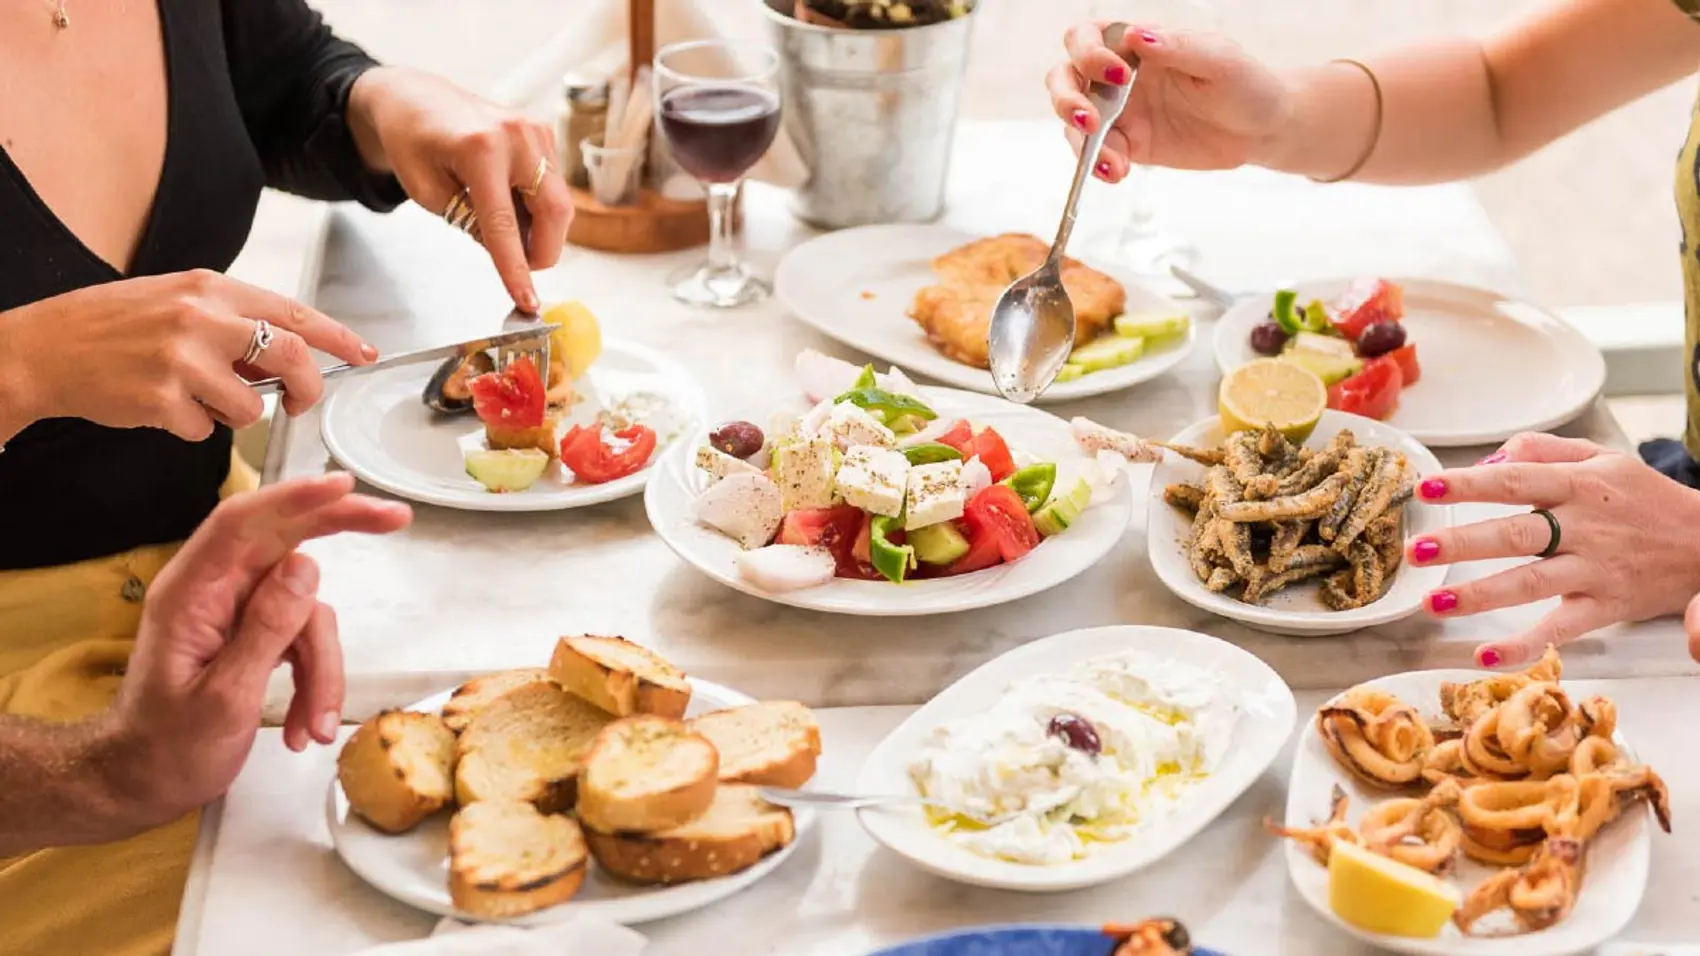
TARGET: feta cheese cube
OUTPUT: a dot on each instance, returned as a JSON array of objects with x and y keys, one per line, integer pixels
[
  {"x": 851, "y": 425},
  {"x": 719, "y": 465},
  {"x": 814, "y": 420},
  {"x": 804, "y": 471},
  {"x": 935, "y": 494},
  {"x": 744, "y": 507},
  {"x": 874, "y": 479}
]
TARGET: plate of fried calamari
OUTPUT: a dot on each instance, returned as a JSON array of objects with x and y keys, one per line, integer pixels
[
  {"x": 921, "y": 296},
  {"x": 1294, "y": 538},
  {"x": 1519, "y": 797}
]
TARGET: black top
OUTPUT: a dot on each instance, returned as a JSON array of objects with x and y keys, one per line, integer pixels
[{"x": 257, "y": 92}]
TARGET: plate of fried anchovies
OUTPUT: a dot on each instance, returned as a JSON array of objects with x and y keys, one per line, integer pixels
[{"x": 1294, "y": 538}]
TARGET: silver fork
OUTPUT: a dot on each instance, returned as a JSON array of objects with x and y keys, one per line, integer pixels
[{"x": 535, "y": 349}]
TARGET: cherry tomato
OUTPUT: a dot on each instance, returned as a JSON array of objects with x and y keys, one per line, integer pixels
[
  {"x": 1366, "y": 302},
  {"x": 1372, "y": 393},
  {"x": 960, "y": 437},
  {"x": 994, "y": 454},
  {"x": 840, "y": 529},
  {"x": 999, "y": 512},
  {"x": 1406, "y": 356},
  {"x": 594, "y": 461},
  {"x": 511, "y": 398}
]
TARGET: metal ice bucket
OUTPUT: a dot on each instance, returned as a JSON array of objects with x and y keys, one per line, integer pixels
[{"x": 872, "y": 113}]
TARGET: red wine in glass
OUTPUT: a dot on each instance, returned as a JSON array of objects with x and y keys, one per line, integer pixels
[{"x": 718, "y": 131}]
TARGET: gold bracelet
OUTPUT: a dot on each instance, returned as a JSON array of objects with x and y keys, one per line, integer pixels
[{"x": 1375, "y": 135}]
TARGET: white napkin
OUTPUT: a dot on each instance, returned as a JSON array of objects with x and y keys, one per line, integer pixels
[
  {"x": 593, "y": 40},
  {"x": 578, "y": 937}
]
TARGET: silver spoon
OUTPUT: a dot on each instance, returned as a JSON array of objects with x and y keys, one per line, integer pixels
[{"x": 1032, "y": 329}]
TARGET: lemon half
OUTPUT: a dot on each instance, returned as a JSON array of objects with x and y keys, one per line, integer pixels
[
  {"x": 1269, "y": 391},
  {"x": 1385, "y": 896},
  {"x": 578, "y": 342}
]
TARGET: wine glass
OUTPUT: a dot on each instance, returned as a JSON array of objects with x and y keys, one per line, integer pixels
[
  {"x": 1143, "y": 240},
  {"x": 718, "y": 104}
]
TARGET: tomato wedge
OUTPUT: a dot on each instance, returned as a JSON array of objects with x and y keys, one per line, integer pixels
[
  {"x": 1406, "y": 356},
  {"x": 1372, "y": 393},
  {"x": 960, "y": 436},
  {"x": 999, "y": 512},
  {"x": 994, "y": 453},
  {"x": 839, "y": 529},
  {"x": 595, "y": 461},
  {"x": 983, "y": 551},
  {"x": 511, "y": 398},
  {"x": 1366, "y": 302}
]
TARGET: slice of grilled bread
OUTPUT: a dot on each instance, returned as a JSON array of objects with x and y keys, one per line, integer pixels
[
  {"x": 506, "y": 859},
  {"x": 620, "y": 677},
  {"x": 774, "y": 743},
  {"x": 647, "y": 773},
  {"x": 473, "y": 696},
  {"x": 528, "y": 745},
  {"x": 398, "y": 769},
  {"x": 739, "y": 829}
]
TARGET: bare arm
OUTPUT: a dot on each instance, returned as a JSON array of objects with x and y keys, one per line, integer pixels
[
  {"x": 1455, "y": 108},
  {"x": 59, "y": 785}
]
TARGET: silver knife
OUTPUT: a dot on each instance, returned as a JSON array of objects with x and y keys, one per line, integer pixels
[{"x": 504, "y": 341}]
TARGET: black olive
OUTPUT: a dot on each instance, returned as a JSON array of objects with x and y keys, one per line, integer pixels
[
  {"x": 738, "y": 439},
  {"x": 1077, "y": 732},
  {"x": 1267, "y": 338},
  {"x": 1380, "y": 338}
]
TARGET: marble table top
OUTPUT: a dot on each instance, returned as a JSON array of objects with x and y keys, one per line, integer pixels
[
  {"x": 463, "y": 592},
  {"x": 266, "y": 881}
]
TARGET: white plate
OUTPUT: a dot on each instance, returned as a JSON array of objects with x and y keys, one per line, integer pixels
[
  {"x": 376, "y": 426},
  {"x": 856, "y": 285},
  {"x": 671, "y": 503},
  {"x": 1266, "y": 720},
  {"x": 1492, "y": 366},
  {"x": 1611, "y": 890},
  {"x": 1297, "y": 610},
  {"x": 414, "y": 867}
]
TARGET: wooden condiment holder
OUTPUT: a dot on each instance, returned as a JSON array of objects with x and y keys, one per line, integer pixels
[{"x": 654, "y": 223}]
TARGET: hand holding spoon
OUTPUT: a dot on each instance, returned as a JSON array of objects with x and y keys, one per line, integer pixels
[{"x": 1032, "y": 328}]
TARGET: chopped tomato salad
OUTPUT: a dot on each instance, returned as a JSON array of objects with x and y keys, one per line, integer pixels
[{"x": 1349, "y": 345}]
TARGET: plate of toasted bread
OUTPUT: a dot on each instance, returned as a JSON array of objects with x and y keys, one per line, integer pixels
[
  {"x": 607, "y": 784},
  {"x": 921, "y": 296}
]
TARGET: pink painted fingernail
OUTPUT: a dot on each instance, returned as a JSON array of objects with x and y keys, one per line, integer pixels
[
  {"x": 1103, "y": 169},
  {"x": 1117, "y": 75},
  {"x": 1490, "y": 657},
  {"x": 1424, "y": 550},
  {"x": 1493, "y": 459},
  {"x": 1149, "y": 37},
  {"x": 1433, "y": 489},
  {"x": 1080, "y": 118},
  {"x": 1442, "y": 601}
]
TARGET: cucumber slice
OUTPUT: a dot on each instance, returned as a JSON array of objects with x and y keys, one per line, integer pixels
[
  {"x": 508, "y": 469},
  {"x": 1152, "y": 325},
  {"x": 1109, "y": 351},
  {"x": 1326, "y": 344},
  {"x": 1327, "y": 366},
  {"x": 938, "y": 543},
  {"x": 1070, "y": 372},
  {"x": 1063, "y": 510}
]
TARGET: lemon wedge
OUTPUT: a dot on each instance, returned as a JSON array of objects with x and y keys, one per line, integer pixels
[
  {"x": 578, "y": 342},
  {"x": 1385, "y": 896},
  {"x": 1273, "y": 392}
]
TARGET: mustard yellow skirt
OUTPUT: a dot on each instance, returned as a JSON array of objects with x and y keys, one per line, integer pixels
[{"x": 65, "y": 638}]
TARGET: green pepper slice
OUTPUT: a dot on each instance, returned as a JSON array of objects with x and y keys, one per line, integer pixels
[
  {"x": 1283, "y": 313},
  {"x": 865, "y": 380},
  {"x": 891, "y": 559},
  {"x": 1033, "y": 484},
  {"x": 1315, "y": 318},
  {"x": 892, "y": 406},
  {"x": 932, "y": 452}
]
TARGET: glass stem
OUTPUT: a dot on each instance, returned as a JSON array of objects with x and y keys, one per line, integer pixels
[{"x": 722, "y": 237}]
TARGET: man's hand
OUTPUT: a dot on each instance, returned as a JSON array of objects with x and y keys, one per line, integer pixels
[{"x": 235, "y": 603}]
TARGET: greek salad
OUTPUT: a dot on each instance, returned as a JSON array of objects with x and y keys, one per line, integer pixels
[
  {"x": 874, "y": 484},
  {"x": 1357, "y": 345}
]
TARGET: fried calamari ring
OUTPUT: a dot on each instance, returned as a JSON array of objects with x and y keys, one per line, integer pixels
[
  {"x": 1535, "y": 728},
  {"x": 1595, "y": 755},
  {"x": 1596, "y": 717},
  {"x": 1446, "y": 762},
  {"x": 1592, "y": 804},
  {"x": 1482, "y": 756},
  {"x": 1516, "y": 805},
  {"x": 1642, "y": 784},
  {"x": 1539, "y": 894},
  {"x": 1500, "y": 848},
  {"x": 1378, "y": 738},
  {"x": 1466, "y": 703},
  {"x": 1416, "y": 832},
  {"x": 1319, "y": 840}
]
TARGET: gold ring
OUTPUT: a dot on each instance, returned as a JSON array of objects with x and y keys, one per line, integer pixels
[
  {"x": 537, "y": 178},
  {"x": 459, "y": 210}
]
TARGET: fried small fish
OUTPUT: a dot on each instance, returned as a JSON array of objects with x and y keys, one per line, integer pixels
[
  {"x": 1186, "y": 497},
  {"x": 1240, "y": 454},
  {"x": 1268, "y": 583},
  {"x": 1359, "y": 465},
  {"x": 1319, "y": 466},
  {"x": 1208, "y": 457},
  {"x": 1336, "y": 591},
  {"x": 1309, "y": 504},
  {"x": 1373, "y": 501},
  {"x": 1225, "y": 492},
  {"x": 1286, "y": 540},
  {"x": 1369, "y": 577},
  {"x": 1220, "y": 579}
]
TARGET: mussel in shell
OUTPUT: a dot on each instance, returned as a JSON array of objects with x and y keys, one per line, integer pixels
[{"x": 449, "y": 391}]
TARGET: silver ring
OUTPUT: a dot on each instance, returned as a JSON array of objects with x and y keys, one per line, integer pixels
[{"x": 261, "y": 341}]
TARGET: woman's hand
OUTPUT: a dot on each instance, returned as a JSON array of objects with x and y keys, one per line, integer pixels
[
  {"x": 164, "y": 352},
  {"x": 437, "y": 139},
  {"x": 1627, "y": 549},
  {"x": 1198, "y": 101},
  {"x": 235, "y": 604}
]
